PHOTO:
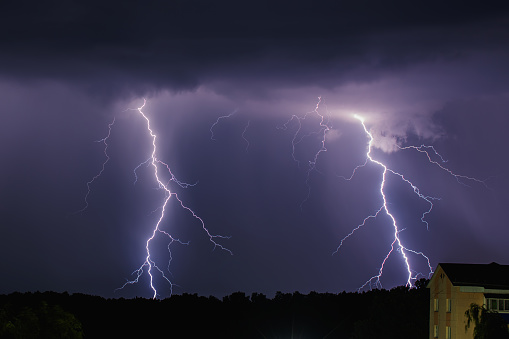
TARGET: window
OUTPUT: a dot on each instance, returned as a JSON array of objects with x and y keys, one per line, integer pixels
[
  {"x": 499, "y": 305},
  {"x": 435, "y": 304},
  {"x": 435, "y": 331},
  {"x": 448, "y": 332},
  {"x": 449, "y": 305}
]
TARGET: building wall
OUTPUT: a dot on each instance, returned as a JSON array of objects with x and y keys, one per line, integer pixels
[
  {"x": 461, "y": 300},
  {"x": 441, "y": 289}
]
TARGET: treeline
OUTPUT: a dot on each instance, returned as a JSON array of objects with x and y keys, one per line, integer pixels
[{"x": 398, "y": 313}]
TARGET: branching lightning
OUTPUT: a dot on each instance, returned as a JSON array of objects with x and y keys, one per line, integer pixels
[
  {"x": 89, "y": 183},
  {"x": 151, "y": 268},
  {"x": 244, "y": 135},
  {"x": 149, "y": 265},
  {"x": 217, "y": 122},
  {"x": 212, "y": 136},
  {"x": 458, "y": 177},
  {"x": 298, "y": 138},
  {"x": 396, "y": 243}
]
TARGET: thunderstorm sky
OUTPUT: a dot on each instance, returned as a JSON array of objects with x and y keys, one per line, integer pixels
[{"x": 419, "y": 73}]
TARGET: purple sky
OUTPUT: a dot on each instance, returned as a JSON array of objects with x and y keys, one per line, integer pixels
[{"x": 432, "y": 74}]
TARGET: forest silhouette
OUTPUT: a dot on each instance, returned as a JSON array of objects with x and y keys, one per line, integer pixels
[{"x": 401, "y": 312}]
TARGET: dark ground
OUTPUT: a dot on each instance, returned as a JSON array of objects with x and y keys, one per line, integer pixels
[{"x": 398, "y": 313}]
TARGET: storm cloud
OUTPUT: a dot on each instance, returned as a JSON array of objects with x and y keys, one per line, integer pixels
[{"x": 419, "y": 73}]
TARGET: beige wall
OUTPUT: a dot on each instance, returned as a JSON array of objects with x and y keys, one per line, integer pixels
[{"x": 442, "y": 289}]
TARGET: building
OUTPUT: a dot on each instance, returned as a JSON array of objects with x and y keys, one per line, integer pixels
[{"x": 453, "y": 287}]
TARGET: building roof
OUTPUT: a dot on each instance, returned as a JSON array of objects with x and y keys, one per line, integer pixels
[{"x": 491, "y": 276}]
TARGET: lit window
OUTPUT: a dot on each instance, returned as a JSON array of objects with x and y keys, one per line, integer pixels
[
  {"x": 435, "y": 304},
  {"x": 448, "y": 332},
  {"x": 449, "y": 305},
  {"x": 435, "y": 331}
]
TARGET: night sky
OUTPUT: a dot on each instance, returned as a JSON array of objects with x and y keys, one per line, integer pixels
[{"x": 425, "y": 72}]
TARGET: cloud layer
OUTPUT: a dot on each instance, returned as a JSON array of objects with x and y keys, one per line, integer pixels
[{"x": 418, "y": 73}]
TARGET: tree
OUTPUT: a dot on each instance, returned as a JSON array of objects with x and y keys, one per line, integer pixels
[
  {"x": 488, "y": 324},
  {"x": 44, "y": 321}
]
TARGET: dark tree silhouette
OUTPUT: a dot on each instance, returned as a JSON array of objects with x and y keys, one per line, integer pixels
[
  {"x": 487, "y": 324},
  {"x": 42, "y": 321},
  {"x": 398, "y": 313}
]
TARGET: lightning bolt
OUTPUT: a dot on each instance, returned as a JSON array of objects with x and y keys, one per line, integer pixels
[
  {"x": 298, "y": 137},
  {"x": 91, "y": 181},
  {"x": 244, "y": 135},
  {"x": 149, "y": 265},
  {"x": 217, "y": 122},
  {"x": 459, "y": 178},
  {"x": 397, "y": 243}
]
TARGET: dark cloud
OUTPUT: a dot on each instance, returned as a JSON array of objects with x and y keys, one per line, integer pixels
[{"x": 135, "y": 47}]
